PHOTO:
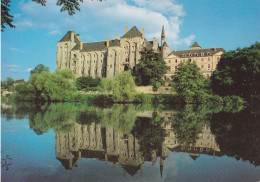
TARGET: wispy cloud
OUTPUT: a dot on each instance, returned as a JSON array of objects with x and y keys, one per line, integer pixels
[
  {"x": 102, "y": 19},
  {"x": 28, "y": 70},
  {"x": 13, "y": 70},
  {"x": 11, "y": 65},
  {"x": 16, "y": 50}
]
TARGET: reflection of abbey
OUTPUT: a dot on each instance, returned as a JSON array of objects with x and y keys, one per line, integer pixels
[
  {"x": 106, "y": 58},
  {"x": 108, "y": 145}
]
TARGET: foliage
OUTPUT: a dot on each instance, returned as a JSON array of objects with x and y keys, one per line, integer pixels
[
  {"x": 122, "y": 87},
  {"x": 39, "y": 68},
  {"x": 121, "y": 117},
  {"x": 238, "y": 72},
  {"x": 237, "y": 134},
  {"x": 188, "y": 122},
  {"x": 87, "y": 82},
  {"x": 189, "y": 84},
  {"x": 150, "y": 135},
  {"x": 6, "y": 18},
  {"x": 8, "y": 83},
  {"x": 233, "y": 104},
  {"x": 150, "y": 69},
  {"x": 24, "y": 92},
  {"x": 52, "y": 86},
  {"x": 66, "y": 5}
]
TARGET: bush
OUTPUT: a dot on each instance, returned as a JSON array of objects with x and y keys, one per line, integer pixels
[
  {"x": 143, "y": 98},
  {"x": 233, "y": 104}
]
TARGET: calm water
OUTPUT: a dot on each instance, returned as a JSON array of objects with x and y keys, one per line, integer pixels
[{"x": 76, "y": 142}]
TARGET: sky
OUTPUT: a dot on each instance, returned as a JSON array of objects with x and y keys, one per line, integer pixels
[{"x": 217, "y": 23}]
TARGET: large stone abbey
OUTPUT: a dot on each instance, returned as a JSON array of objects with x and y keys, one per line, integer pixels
[{"x": 106, "y": 58}]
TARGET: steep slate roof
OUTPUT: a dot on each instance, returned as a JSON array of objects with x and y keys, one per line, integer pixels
[
  {"x": 97, "y": 46},
  {"x": 67, "y": 37},
  {"x": 133, "y": 32},
  {"x": 195, "y": 44},
  {"x": 185, "y": 53}
]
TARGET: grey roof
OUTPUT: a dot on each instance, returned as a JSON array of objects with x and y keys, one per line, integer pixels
[
  {"x": 97, "y": 46},
  {"x": 67, "y": 37},
  {"x": 195, "y": 44},
  {"x": 133, "y": 32},
  {"x": 186, "y": 53}
]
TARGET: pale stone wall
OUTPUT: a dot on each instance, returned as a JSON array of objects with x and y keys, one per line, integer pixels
[{"x": 149, "y": 90}]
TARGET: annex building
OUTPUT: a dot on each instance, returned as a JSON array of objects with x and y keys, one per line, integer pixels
[{"x": 106, "y": 58}]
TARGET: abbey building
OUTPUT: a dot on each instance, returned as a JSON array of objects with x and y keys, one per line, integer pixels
[{"x": 106, "y": 58}]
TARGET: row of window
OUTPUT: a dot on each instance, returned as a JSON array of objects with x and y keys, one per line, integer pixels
[
  {"x": 196, "y": 54},
  {"x": 194, "y": 59}
]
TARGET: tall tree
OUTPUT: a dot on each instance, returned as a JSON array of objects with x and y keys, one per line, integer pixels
[
  {"x": 150, "y": 69},
  {"x": 190, "y": 85},
  {"x": 71, "y": 6},
  {"x": 238, "y": 72},
  {"x": 39, "y": 68}
]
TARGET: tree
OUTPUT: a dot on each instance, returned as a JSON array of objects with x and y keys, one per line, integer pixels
[
  {"x": 150, "y": 69},
  {"x": 66, "y": 5},
  {"x": 86, "y": 82},
  {"x": 190, "y": 85},
  {"x": 6, "y": 18},
  {"x": 39, "y": 68},
  {"x": 122, "y": 87},
  {"x": 238, "y": 72},
  {"x": 53, "y": 86}
]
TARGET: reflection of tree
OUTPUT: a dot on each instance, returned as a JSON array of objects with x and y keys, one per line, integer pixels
[
  {"x": 56, "y": 116},
  {"x": 5, "y": 162},
  {"x": 237, "y": 134},
  {"x": 120, "y": 117},
  {"x": 150, "y": 135},
  {"x": 187, "y": 123}
]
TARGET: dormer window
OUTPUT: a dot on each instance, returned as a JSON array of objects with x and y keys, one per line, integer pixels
[
  {"x": 183, "y": 55},
  {"x": 75, "y": 56},
  {"x": 196, "y": 54},
  {"x": 202, "y": 54},
  {"x": 190, "y": 54},
  {"x": 208, "y": 53}
]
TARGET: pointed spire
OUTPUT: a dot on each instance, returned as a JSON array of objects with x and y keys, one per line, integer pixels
[
  {"x": 162, "y": 36},
  {"x": 161, "y": 166}
]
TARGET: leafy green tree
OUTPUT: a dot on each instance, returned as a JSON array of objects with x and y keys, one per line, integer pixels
[
  {"x": 190, "y": 85},
  {"x": 8, "y": 83},
  {"x": 66, "y": 5},
  {"x": 87, "y": 82},
  {"x": 122, "y": 87},
  {"x": 150, "y": 69},
  {"x": 39, "y": 68},
  {"x": 238, "y": 72},
  {"x": 53, "y": 86}
]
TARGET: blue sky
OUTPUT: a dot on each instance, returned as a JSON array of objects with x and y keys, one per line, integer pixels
[{"x": 228, "y": 24}]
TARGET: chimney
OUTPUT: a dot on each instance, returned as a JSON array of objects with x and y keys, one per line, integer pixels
[
  {"x": 143, "y": 33},
  {"x": 115, "y": 36},
  {"x": 107, "y": 41},
  {"x": 215, "y": 49},
  {"x": 175, "y": 50},
  {"x": 72, "y": 36},
  {"x": 126, "y": 29},
  {"x": 77, "y": 36},
  {"x": 81, "y": 45}
]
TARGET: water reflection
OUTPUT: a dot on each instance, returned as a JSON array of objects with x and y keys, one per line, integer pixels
[{"x": 129, "y": 135}]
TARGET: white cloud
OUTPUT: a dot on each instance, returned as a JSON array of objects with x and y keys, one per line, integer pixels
[
  {"x": 16, "y": 49},
  {"x": 13, "y": 70},
  {"x": 11, "y": 65},
  {"x": 98, "y": 20},
  {"x": 28, "y": 70}
]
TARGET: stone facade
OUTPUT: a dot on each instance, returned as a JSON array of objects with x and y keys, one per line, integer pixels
[{"x": 106, "y": 58}]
